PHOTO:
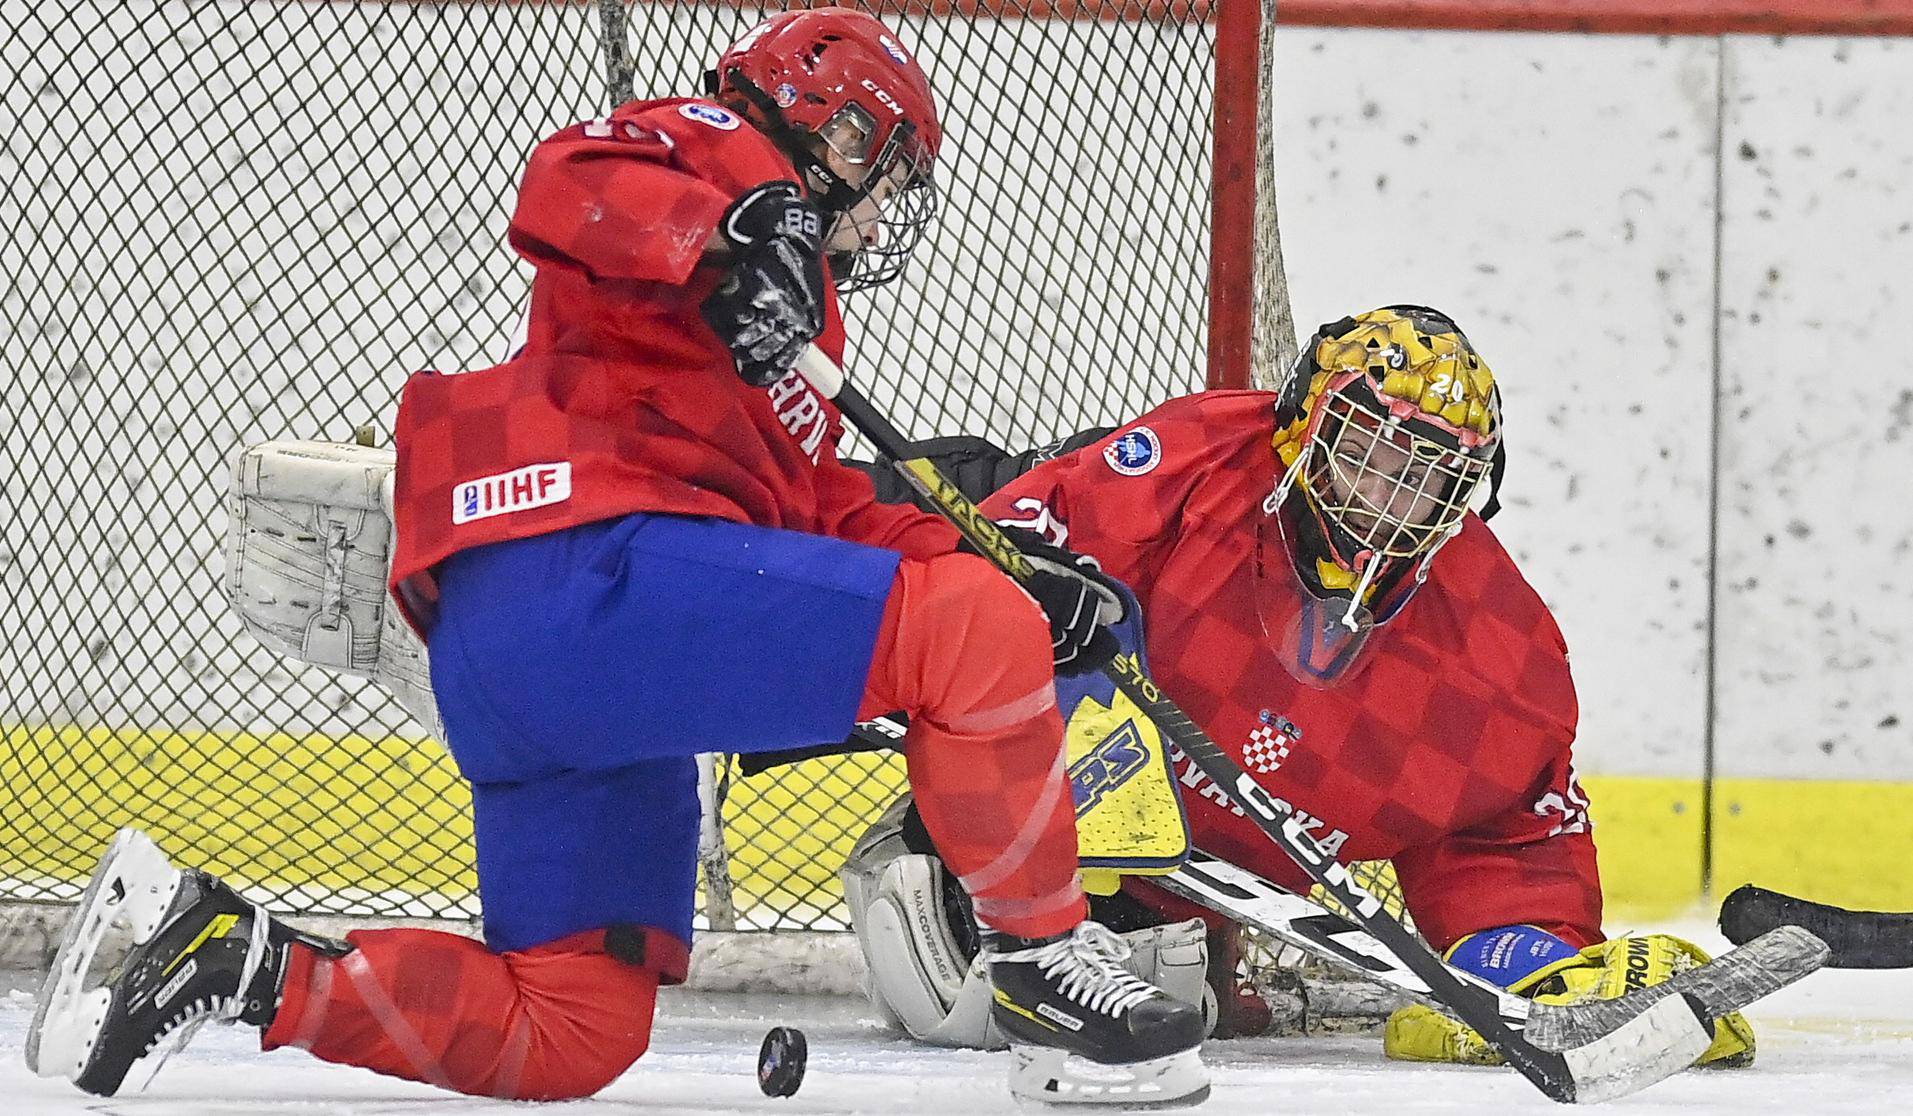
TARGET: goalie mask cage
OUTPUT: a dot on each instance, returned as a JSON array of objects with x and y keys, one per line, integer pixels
[{"x": 230, "y": 222}]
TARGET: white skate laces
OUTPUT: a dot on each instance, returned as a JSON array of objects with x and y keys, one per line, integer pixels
[
  {"x": 1087, "y": 968},
  {"x": 196, "y": 1013}
]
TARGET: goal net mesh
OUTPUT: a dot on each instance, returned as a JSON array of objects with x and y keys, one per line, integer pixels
[{"x": 230, "y": 222}]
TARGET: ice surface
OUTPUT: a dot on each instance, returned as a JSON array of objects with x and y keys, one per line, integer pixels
[{"x": 1837, "y": 1042}]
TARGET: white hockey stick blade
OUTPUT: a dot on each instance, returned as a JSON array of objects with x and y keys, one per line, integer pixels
[
  {"x": 1726, "y": 984},
  {"x": 1309, "y": 926},
  {"x": 1649, "y": 1046},
  {"x": 1642, "y": 1038}
]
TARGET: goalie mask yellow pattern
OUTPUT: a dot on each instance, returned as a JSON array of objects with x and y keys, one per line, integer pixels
[
  {"x": 1387, "y": 429},
  {"x": 1607, "y": 971}
]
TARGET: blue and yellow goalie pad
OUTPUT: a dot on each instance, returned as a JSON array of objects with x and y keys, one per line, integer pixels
[{"x": 1129, "y": 816}]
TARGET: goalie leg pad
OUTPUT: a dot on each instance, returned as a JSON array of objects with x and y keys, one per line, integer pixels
[
  {"x": 918, "y": 975},
  {"x": 921, "y": 949},
  {"x": 1174, "y": 958},
  {"x": 919, "y": 940}
]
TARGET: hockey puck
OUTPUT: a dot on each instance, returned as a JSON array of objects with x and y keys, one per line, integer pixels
[{"x": 780, "y": 1064}]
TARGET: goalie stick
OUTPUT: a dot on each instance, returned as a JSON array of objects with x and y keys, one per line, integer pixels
[
  {"x": 1728, "y": 983},
  {"x": 1659, "y": 1038},
  {"x": 1858, "y": 939}
]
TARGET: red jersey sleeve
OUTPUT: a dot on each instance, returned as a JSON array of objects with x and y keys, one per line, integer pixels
[
  {"x": 637, "y": 195},
  {"x": 1126, "y": 498},
  {"x": 1532, "y": 865},
  {"x": 848, "y": 508}
]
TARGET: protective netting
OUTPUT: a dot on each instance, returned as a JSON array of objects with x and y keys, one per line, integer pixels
[{"x": 228, "y": 222}]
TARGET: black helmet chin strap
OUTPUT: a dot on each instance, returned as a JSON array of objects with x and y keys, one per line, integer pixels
[{"x": 1497, "y": 469}]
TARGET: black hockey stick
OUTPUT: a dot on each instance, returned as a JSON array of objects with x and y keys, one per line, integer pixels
[
  {"x": 1638, "y": 1050},
  {"x": 1858, "y": 939},
  {"x": 1728, "y": 983}
]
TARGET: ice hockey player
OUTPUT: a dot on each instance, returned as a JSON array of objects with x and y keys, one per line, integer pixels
[
  {"x": 632, "y": 543},
  {"x": 1317, "y": 594}
]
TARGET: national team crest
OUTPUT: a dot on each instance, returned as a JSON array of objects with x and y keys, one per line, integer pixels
[
  {"x": 1269, "y": 742},
  {"x": 1135, "y": 453}
]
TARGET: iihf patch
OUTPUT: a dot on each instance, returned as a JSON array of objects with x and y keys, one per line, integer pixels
[
  {"x": 1135, "y": 453},
  {"x": 533, "y": 486},
  {"x": 721, "y": 119},
  {"x": 895, "y": 51},
  {"x": 786, "y": 95}
]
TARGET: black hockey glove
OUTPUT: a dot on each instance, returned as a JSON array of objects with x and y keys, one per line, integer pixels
[
  {"x": 772, "y": 303},
  {"x": 1080, "y": 600}
]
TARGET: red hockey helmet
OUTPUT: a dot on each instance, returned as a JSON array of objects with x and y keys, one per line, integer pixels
[{"x": 837, "y": 77}]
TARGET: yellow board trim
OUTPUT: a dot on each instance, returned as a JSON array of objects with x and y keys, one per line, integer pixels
[
  {"x": 1648, "y": 832},
  {"x": 391, "y": 816},
  {"x": 388, "y": 816},
  {"x": 1834, "y": 841},
  {"x": 1831, "y": 841}
]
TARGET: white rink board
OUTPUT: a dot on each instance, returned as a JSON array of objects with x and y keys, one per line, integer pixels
[
  {"x": 1556, "y": 194},
  {"x": 1561, "y": 214},
  {"x": 1816, "y": 519}
]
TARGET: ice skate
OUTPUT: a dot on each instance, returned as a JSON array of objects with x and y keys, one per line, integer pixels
[
  {"x": 1084, "y": 1030},
  {"x": 199, "y": 952}
]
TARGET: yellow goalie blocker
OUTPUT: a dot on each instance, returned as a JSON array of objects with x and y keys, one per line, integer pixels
[
  {"x": 1607, "y": 971},
  {"x": 1129, "y": 818}
]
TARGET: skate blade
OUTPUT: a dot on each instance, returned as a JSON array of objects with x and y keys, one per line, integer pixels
[
  {"x": 132, "y": 888},
  {"x": 1054, "y": 1077}
]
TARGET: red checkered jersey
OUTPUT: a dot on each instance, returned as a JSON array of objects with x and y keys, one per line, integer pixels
[
  {"x": 1446, "y": 747},
  {"x": 622, "y": 399}
]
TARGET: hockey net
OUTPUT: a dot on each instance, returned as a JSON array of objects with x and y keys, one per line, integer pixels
[{"x": 228, "y": 222}]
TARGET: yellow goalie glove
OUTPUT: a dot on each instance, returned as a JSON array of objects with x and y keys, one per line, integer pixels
[{"x": 1607, "y": 971}]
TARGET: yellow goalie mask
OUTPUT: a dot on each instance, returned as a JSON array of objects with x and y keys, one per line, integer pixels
[{"x": 1386, "y": 431}]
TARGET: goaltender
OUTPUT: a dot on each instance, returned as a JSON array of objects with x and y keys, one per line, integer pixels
[{"x": 1319, "y": 597}]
